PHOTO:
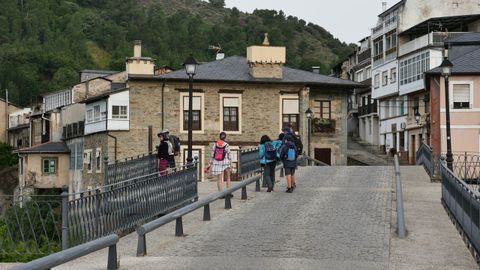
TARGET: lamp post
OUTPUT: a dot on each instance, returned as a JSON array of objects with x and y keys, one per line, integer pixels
[
  {"x": 190, "y": 68},
  {"x": 309, "y": 115},
  {"x": 446, "y": 72},
  {"x": 417, "y": 116}
]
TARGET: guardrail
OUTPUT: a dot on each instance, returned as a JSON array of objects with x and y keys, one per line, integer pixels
[
  {"x": 463, "y": 204},
  {"x": 424, "y": 156},
  {"x": 120, "y": 207},
  {"x": 73, "y": 253},
  {"x": 314, "y": 161},
  {"x": 178, "y": 214},
  {"x": 400, "y": 215},
  {"x": 249, "y": 162}
]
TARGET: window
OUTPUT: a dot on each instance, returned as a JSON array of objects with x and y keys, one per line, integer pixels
[
  {"x": 393, "y": 75},
  {"x": 98, "y": 160},
  {"x": 461, "y": 96},
  {"x": 290, "y": 113},
  {"x": 384, "y": 78},
  {"x": 369, "y": 73},
  {"x": 413, "y": 69},
  {"x": 87, "y": 159},
  {"x": 90, "y": 116},
  {"x": 230, "y": 114},
  {"x": 376, "y": 81},
  {"x": 416, "y": 102},
  {"x": 119, "y": 112},
  {"x": 49, "y": 165},
  {"x": 359, "y": 76},
  {"x": 196, "y": 113},
  {"x": 378, "y": 48},
  {"x": 96, "y": 113},
  {"x": 323, "y": 109},
  {"x": 391, "y": 42}
]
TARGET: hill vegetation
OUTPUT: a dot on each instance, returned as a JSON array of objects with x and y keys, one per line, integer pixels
[{"x": 44, "y": 43}]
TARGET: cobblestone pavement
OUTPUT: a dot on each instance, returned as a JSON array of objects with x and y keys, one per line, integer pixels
[{"x": 334, "y": 219}]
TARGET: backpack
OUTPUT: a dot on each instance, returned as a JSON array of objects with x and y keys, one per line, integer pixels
[
  {"x": 175, "y": 143},
  {"x": 270, "y": 151},
  {"x": 298, "y": 143},
  {"x": 291, "y": 154},
  {"x": 219, "y": 153}
]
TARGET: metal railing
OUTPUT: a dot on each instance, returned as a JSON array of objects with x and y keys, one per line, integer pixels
[
  {"x": 424, "y": 156},
  {"x": 29, "y": 227},
  {"x": 120, "y": 207},
  {"x": 399, "y": 193},
  {"x": 463, "y": 204},
  {"x": 249, "y": 162},
  {"x": 129, "y": 168},
  {"x": 178, "y": 214},
  {"x": 312, "y": 161},
  {"x": 56, "y": 259}
]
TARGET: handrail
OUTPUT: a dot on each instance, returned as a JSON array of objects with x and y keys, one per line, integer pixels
[
  {"x": 76, "y": 252},
  {"x": 178, "y": 214},
  {"x": 400, "y": 215},
  {"x": 317, "y": 162}
]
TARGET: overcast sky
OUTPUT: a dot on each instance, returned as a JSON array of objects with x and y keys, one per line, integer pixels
[{"x": 347, "y": 20}]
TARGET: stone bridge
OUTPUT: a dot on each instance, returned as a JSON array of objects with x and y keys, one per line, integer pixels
[{"x": 337, "y": 218}]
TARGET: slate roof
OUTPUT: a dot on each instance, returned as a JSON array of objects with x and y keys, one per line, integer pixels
[
  {"x": 236, "y": 69},
  {"x": 465, "y": 60},
  {"x": 49, "y": 147}
]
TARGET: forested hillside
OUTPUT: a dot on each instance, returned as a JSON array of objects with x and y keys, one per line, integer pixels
[{"x": 44, "y": 43}]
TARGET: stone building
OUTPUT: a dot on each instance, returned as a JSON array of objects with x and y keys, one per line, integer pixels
[
  {"x": 5, "y": 110},
  {"x": 245, "y": 97}
]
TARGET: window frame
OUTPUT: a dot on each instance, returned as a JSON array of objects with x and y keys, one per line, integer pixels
[
  {"x": 471, "y": 96},
  {"x": 376, "y": 81},
  {"x": 87, "y": 156},
  {"x": 222, "y": 112},
  {"x": 282, "y": 114},
  {"x": 98, "y": 160},
  {"x": 384, "y": 77},
  {"x": 55, "y": 159},
  {"x": 182, "y": 119},
  {"x": 393, "y": 75},
  {"x": 120, "y": 115},
  {"x": 318, "y": 108},
  {"x": 95, "y": 118}
]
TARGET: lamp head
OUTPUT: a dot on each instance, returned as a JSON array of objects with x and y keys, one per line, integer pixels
[
  {"x": 190, "y": 66},
  {"x": 309, "y": 113}
]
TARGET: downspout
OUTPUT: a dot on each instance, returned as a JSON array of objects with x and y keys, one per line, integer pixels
[{"x": 163, "y": 111}]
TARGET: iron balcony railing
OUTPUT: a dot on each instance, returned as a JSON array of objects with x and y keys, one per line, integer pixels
[
  {"x": 119, "y": 207},
  {"x": 368, "y": 109}
]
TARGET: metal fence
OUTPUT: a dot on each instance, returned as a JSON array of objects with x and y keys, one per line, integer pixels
[
  {"x": 120, "y": 207},
  {"x": 29, "y": 227},
  {"x": 463, "y": 204},
  {"x": 129, "y": 168},
  {"x": 424, "y": 156},
  {"x": 249, "y": 162}
]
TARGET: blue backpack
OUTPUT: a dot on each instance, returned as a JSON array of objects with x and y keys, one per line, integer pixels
[
  {"x": 270, "y": 151},
  {"x": 291, "y": 153}
]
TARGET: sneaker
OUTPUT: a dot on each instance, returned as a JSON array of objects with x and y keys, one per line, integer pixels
[
  {"x": 289, "y": 190},
  {"x": 269, "y": 190}
]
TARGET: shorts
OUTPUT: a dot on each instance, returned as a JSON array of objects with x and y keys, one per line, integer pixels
[{"x": 289, "y": 171}]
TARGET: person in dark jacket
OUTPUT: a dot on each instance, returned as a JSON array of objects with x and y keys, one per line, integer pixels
[
  {"x": 163, "y": 154},
  {"x": 268, "y": 159},
  {"x": 288, "y": 155}
]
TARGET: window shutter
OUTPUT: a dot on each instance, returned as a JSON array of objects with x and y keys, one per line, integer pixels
[
  {"x": 290, "y": 106},
  {"x": 196, "y": 105},
  {"x": 230, "y": 102},
  {"x": 461, "y": 93}
]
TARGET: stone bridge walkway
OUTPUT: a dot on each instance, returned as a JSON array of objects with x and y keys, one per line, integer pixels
[{"x": 337, "y": 218}]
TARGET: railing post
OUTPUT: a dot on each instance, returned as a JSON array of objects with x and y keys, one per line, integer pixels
[
  {"x": 97, "y": 213},
  {"x": 228, "y": 202},
  {"x": 179, "y": 227},
  {"x": 239, "y": 169},
  {"x": 141, "y": 245},
  {"x": 206, "y": 212},
  {"x": 244, "y": 193},
  {"x": 64, "y": 197},
  {"x": 282, "y": 172},
  {"x": 112, "y": 257},
  {"x": 105, "y": 170},
  {"x": 400, "y": 217}
]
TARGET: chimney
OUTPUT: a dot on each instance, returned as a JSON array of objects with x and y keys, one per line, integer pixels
[
  {"x": 137, "y": 48},
  {"x": 316, "y": 69},
  {"x": 384, "y": 6},
  {"x": 266, "y": 61},
  {"x": 138, "y": 65}
]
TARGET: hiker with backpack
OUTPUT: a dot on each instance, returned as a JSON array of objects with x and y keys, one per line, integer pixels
[
  {"x": 220, "y": 161},
  {"x": 268, "y": 159},
  {"x": 163, "y": 153},
  {"x": 288, "y": 155},
  {"x": 174, "y": 147}
]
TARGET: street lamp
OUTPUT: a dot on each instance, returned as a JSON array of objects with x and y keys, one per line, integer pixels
[
  {"x": 446, "y": 67},
  {"x": 309, "y": 115},
  {"x": 417, "y": 116},
  {"x": 190, "y": 68}
]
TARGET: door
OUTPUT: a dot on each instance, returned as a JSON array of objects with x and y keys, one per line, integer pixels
[{"x": 324, "y": 155}]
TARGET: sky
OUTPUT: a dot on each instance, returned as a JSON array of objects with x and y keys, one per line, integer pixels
[{"x": 347, "y": 20}]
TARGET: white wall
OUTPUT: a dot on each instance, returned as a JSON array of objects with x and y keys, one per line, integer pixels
[
  {"x": 390, "y": 88},
  {"x": 417, "y": 11},
  {"x": 435, "y": 59},
  {"x": 119, "y": 99}
]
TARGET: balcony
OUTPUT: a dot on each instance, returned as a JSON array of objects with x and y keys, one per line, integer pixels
[
  {"x": 365, "y": 55},
  {"x": 433, "y": 38},
  {"x": 368, "y": 109},
  {"x": 352, "y": 107}
]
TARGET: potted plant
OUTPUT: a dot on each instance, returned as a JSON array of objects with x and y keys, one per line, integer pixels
[{"x": 323, "y": 125}]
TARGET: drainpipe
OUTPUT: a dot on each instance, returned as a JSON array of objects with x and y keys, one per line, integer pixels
[
  {"x": 43, "y": 126},
  {"x": 163, "y": 111}
]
